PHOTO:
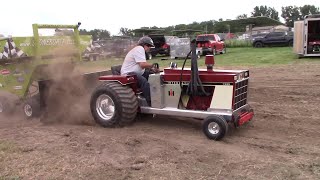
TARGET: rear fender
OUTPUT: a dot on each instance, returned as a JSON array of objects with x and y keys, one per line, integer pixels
[{"x": 130, "y": 80}]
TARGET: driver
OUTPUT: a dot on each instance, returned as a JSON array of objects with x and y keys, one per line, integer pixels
[{"x": 136, "y": 63}]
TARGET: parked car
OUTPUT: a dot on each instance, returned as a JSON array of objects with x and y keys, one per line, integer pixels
[
  {"x": 161, "y": 45},
  {"x": 210, "y": 44},
  {"x": 273, "y": 39}
]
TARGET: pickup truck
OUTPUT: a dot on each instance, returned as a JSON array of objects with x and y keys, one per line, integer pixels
[
  {"x": 273, "y": 39},
  {"x": 210, "y": 44}
]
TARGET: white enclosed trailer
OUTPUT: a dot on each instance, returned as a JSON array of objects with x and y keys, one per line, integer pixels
[{"x": 307, "y": 36}]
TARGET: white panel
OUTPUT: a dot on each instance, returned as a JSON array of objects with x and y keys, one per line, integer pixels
[
  {"x": 222, "y": 97},
  {"x": 156, "y": 91},
  {"x": 298, "y": 37},
  {"x": 172, "y": 100}
]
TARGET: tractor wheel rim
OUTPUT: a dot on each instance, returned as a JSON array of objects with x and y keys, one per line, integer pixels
[
  {"x": 214, "y": 128},
  {"x": 1, "y": 107},
  {"x": 105, "y": 107},
  {"x": 28, "y": 110}
]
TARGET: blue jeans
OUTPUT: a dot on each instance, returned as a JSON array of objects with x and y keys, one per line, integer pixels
[{"x": 144, "y": 85}]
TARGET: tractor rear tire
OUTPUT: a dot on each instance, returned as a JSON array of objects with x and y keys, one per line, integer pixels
[
  {"x": 215, "y": 127},
  {"x": 113, "y": 104},
  {"x": 31, "y": 107}
]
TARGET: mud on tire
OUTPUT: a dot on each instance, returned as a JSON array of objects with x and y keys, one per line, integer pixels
[{"x": 113, "y": 104}]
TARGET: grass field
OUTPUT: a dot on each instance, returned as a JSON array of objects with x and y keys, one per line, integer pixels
[{"x": 234, "y": 57}]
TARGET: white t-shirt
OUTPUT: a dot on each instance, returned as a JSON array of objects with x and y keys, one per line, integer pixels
[{"x": 130, "y": 63}]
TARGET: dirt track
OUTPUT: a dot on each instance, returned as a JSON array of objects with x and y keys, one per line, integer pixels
[{"x": 282, "y": 142}]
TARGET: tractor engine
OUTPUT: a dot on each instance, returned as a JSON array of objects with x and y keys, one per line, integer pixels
[{"x": 226, "y": 90}]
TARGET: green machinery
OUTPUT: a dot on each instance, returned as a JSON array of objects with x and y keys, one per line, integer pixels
[{"x": 25, "y": 63}]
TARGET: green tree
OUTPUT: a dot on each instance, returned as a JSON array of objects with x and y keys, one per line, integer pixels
[
  {"x": 126, "y": 32},
  {"x": 205, "y": 26},
  {"x": 259, "y": 11},
  {"x": 97, "y": 34},
  {"x": 290, "y": 14},
  {"x": 242, "y": 16},
  {"x": 181, "y": 27},
  {"x": 265, "y": 11},
  {"x": 273, "y": 14},
  {"x": 308, "y": 10}
]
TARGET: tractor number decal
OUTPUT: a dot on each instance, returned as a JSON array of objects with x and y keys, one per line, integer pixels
[{"x": 171, "y": 92}]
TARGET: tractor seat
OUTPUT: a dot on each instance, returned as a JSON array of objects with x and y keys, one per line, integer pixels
[{"x": 116, "y": 70}]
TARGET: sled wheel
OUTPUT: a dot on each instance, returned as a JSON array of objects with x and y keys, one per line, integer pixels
[{"x": 31, "y": 107}]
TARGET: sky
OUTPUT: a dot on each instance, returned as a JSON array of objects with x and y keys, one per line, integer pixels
[{"x": 111, "y": 15}]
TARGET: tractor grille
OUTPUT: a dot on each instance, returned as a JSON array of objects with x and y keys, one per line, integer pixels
[{"x": 241, "y": 92}]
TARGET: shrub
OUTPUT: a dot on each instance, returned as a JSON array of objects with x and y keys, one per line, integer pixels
[{"x": 238, "y": 43}]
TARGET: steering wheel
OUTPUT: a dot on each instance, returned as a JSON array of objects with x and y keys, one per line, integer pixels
[
  {"x": 155, "y": 65},
  {"x": 155, "y": 68}
]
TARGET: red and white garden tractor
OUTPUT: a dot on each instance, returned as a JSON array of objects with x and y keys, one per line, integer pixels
[{"x": 218, "y": 97}]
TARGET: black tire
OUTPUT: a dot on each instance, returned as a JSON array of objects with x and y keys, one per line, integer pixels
[
  {"x": 124, "y": 104},
  {"x": 290, "y": 43},
  {"x": 258, "y": 44},
  {"x": 215, "y": 127},
  {"x": 31, "y": 107}
]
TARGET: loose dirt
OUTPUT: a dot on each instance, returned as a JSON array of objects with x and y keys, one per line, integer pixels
[{"x": 282, "y": 142}]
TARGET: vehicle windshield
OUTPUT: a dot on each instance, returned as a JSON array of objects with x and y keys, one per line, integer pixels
[{"x": 205, "y": 38}]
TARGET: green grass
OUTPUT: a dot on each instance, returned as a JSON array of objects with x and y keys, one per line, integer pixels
[
  {"x": 10, "y": 178},
  {"x": 6, "y": 146},
  {"x": 234, "y": 57},
  {"x": 257, "y": 56}
]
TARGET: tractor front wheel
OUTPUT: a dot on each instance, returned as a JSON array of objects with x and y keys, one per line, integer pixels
[
  {"x": 113, "y": 104},
  {"x": 215, "y": 127}
]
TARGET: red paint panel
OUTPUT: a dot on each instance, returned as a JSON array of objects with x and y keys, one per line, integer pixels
[
  {"x": 245, "y": 117},
  {"x": 203, "y": 78},
  {"x": 122, "y": 79}
]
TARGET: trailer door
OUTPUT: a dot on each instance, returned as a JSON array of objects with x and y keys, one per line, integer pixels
[{"x": 298, "y": 40}]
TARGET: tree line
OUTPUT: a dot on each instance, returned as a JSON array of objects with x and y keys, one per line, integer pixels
[{"x": 290, "y": 14}]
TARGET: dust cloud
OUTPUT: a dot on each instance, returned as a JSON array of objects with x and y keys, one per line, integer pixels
[{"x": 67, "y": 98}]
